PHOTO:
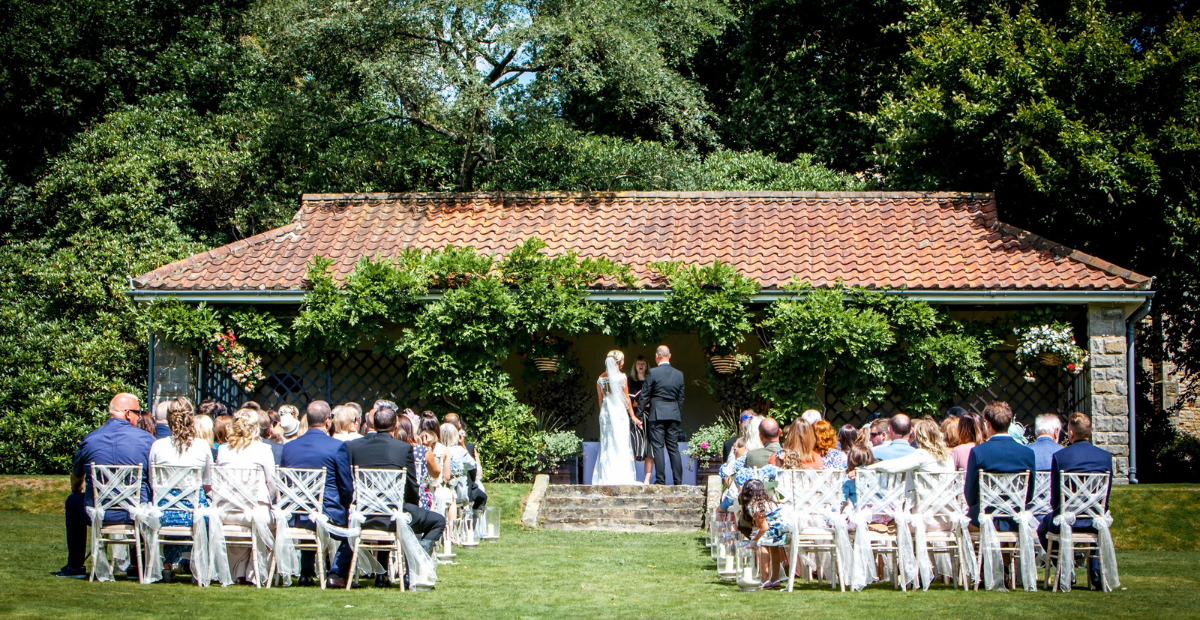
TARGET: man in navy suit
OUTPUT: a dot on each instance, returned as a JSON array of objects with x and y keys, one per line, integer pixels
[
  {"x": 1000, "y": 454},
  {"x": 1081, "y": 457},
  {"x": 662, "y": 397},
  {"x": 313, "y": 450},
  {"x": 160, "y": 419}
]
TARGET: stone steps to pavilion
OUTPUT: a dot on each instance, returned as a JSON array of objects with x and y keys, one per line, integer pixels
[{"x": 632, "y": 508}]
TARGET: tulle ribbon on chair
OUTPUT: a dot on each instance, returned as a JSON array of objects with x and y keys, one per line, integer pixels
[
  {"x": 367, "y": 564},
  {"x": 993, "y": 560},
  {"x": 966, "y": 549},
  {"x": 841, "y": 540},
  {"x": 212, "y": 546},
  {"x": 423, "y": 569},
  {"x": 100, "y": 564},
  {"x": 862, "y": 569},
  {"x": 1027, "y": 540},
  {"x": 1108, "y": 554},
  {"x": 264, "y": 540},
  {"x": 287, "y": 556},
  {"x": 906, "y": 560},
  {"x": 147, "y": 518},
  {"x": 921, "y": 543}
]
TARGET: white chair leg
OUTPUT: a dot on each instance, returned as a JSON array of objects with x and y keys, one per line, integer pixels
[{"x": 321, "y": 562}]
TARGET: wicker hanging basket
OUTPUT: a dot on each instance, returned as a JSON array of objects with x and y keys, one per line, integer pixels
[
  {"x": 724, "y": 364},
  {"x": 1050, "y": 359},
  {"x": 546, "y": 364}
]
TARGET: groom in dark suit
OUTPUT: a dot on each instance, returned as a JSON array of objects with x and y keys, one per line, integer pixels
[{"x": 662, "y": 398}]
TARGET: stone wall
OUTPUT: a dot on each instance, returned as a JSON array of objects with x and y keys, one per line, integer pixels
[
  {"x": 1109, "y": 388},
  {"x": 1169, "y": 388},
  {"x": 174, "y": 372}
]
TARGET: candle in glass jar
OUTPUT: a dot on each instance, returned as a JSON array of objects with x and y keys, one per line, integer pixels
[
  {"x": 721, "y": 554},
  {"x": 729, "y": 564},
  {"x": 491, "y": 530},
  {"x": 748, "y": 573}
]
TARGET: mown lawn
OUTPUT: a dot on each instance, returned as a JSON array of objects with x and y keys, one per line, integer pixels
[{"x": 542, "y": 574}]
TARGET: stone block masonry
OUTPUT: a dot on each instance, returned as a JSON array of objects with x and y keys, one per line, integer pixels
[{"x": 1108, "y": 384}]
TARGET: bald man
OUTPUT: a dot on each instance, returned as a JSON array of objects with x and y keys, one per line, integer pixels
[
  {"x": 160, "y": 419},
  {"x": 662, "y": 399},
  {"x": 117, "y": 442}
]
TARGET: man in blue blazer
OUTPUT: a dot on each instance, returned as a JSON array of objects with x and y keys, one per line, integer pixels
[
  {"x": 1000, "y": 454},
  {"x": 1081, "y": 457},
  {"x": 313, "y": 450}
]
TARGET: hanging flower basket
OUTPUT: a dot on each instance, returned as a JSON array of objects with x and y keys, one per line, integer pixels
[
  {"x": 1050, "y": 359},
  {"x": 724, "y": 364},
  {"x": 546, "y": 364}
]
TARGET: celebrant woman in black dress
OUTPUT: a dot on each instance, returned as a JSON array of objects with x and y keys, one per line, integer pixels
[{"x": 642, "y": 450}]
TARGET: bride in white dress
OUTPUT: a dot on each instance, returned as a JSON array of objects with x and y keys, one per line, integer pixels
[{"x": 616, "y": 464}]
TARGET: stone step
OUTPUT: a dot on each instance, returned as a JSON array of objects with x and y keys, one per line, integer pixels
[
  {"x": 654, "y": 490},
  {"x": 643, "y": 515},
  {"x": 627, "y": 502},
  {"x": 604, "y": 525}
]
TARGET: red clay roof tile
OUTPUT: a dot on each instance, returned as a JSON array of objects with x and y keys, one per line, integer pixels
[{"x": 878, "y": 240}]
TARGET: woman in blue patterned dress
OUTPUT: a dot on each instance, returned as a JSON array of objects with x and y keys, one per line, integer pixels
[{"x": 771, "y": 527}]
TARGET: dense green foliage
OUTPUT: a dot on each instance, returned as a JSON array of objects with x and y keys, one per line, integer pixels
[{"x": 860, "y": 344}]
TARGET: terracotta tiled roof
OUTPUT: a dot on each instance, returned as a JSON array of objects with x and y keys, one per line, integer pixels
[{"x": 913, "y": 240}]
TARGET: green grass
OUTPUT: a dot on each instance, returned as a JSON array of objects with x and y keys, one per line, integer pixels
[{"x": 564, "y": 575}]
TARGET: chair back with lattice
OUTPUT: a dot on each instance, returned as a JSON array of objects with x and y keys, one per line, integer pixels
[
  {"x": 301, "y": 491},
  {"x": 1084, "y": 495},
  {"x": 379, "y": 492},
  {"x": 880, "y": 493},
  {"x": 940, "y": 493},
  {"x": 116, "y": 487},
  {"x": 237, "y": 488},
  {"x": 812, "y": 491},
  {"x": 1041, "y": 494},
  {"x": 177, "y": 489},
  {"x": 1003, "y": 495}
]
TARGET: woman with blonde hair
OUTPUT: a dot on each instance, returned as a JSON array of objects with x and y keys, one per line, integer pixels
[
  {"x": 345, "y": 423},
  {"x": 245, "y": 449},
  {"x": 184, "y": 448},
  {"x": 931, "y": 454},
  {"x": 615, "y": 465},
  {"x": 801, "y": 438}
]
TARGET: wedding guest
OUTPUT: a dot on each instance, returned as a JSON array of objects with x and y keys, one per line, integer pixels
[
  {"x": 1046, "y": 427},
  {"x": 246, "y": 449},
  {"x": 184, "y": 448},
  {"x": 427, "y": 465},
  {"x": 264, "y": 427},
  {"x": 803, "y": 440},
  {"x": 462, "y": 465},
  {"x": 146, "y": 422},
  {"x": 116, "y": 442},
  {"x": 847, "y": 437},
  {"x": 950, "y": 431},
  {"x": 827, "y": 446},
  {"x": 315, "y": 449},
  {"x": 970, "y": 434},
  {"x": 858, "y": 456},
  {"x": 478, "y": 495},
  {"x": 746, "y": 415},
  {"x": 204, "y": 432},
  {"x": 221, "y": 429},
  {"x": 212, "y": 409},
  {"x": 289, "y": 423},
  {"x": 345, "y": 423},
  {"x": 161, "y": 429},
  {"x": 999, "y": 453},
  {"x": 931, "y": 454},
  {"x": 772, "y": 525},
  {"x": 790, "y": 459},
  {"x": 878, "y": 432},
  {"x": 735, "y": 461},
  {"x": 768, "y": 433},
  {"x": 251, "y": 405},
  {"x": 899, "y": 430},
  {"x": 432, "y": 430},
  {"x": 812, "y": 416},
  {"x": 953, "y": 412},
  {"x": 276, "y": 432}
]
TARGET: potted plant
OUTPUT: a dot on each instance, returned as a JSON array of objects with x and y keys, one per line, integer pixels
[
  {"x": 705, "y": 446},
  {"x": 559, "y": 450},
  {"x": 1052, "y": 345},
  {"x": 545, "y": 350}
]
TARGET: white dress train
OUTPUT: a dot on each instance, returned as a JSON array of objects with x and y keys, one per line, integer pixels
[{"x": 616, "y": 464}]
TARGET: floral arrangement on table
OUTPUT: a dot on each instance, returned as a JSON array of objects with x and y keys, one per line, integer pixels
[
  {"x": 1052, "y": 344},
  {"x": 559, "y": 446},
  {"x": 707, "y": 442},
  {"x": 244, "y": 366}
]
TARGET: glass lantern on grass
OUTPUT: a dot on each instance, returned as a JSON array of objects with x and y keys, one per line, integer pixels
[
  {"x": 487, "y": 526},
  {"x": 747, "y": 565},
  {"x": 727, "y": 553},
  {"x": 465, "y": 529}
]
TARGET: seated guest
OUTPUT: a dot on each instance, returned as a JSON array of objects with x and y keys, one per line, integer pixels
[
  {"x": 289, "y": 423},
  {"x": 146, "y": 422},
  {"x": 315, "y": 449},
  {"x": 477, "y": 494},
  {"x": 768, "y": 434},
  {"x": 1080, "y": 457},
  {"x": 204, "y": 432},
  {"x": 251, "y": 405},
  {"x": 212, "y": 409},
  {"x": 950, "y": 431},
  {"x": 161, "y": 429},
  {"x": 117, "y": 442},
  {"x": 899, "y": 433},
  {"x": 803, "y": 441},
  {"x": 847, "y": 437},
  {"x": 812, "y": 416},
  {"x": 728, "y": 445},
  {"x": 276, "y": 432},
  {"x": 246, "y": 449},
  {"x": 184, "y": 448},
  {"x": 426, "y": 463},
  {"x": 735, "y": 461},
  {"x": 1000, "y": 454},
  {"x": 431, "y": 435},
  {"x": 827, "y": 446},
  {"x": 789, "y": 459},
  {"x": 264, "y": 427},
  {"x": 970, "y": 434},
  {"x": 1046, "y": 427},
  {"x": 771, "y": 527},
  {"x": 221, "y": 429},
  {"x": 878, "y": 432},
  {"x": 930, "y": 456},
  {"x": 384, "y": 451},
  {"x": 857, "y": 456},
  {"x": 345, "y": 423},
  {"x": 953, "y": 412}
]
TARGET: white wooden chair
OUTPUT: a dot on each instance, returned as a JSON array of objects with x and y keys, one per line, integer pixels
[
  {"x": 301, "y": 493},
  {"x": 235, "y": 493},
  {"x": 1004, "y": 495},
  {"x": 882, "y": 494},
  {"x": 379, "y": 493},
  {"x": 1082, "y": 496},
  {"x": 1040, "y": 506},
  {"x": 179, "y": 493},
  {"x": 815, "y": 497},
  {"x": 114, "y": 487},
  {"x": 939, "y": 500}
]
